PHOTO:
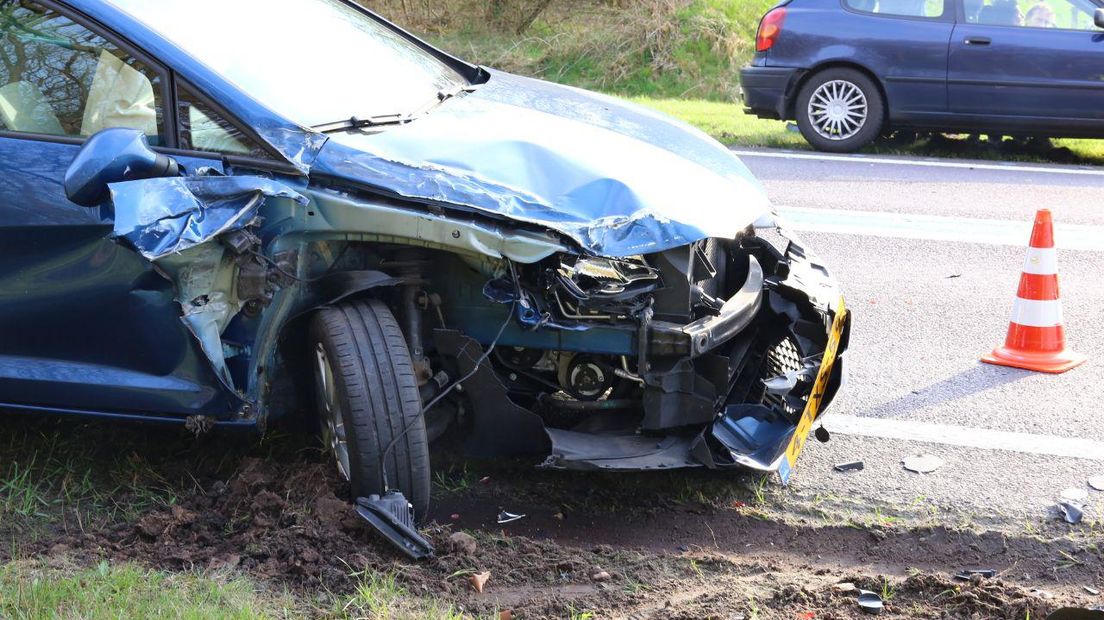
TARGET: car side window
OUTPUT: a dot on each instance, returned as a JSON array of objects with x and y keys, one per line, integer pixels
[
  {"x": 1062, "y": 14},
  {"x": 59, "y": 78},
  {"x": 933, "y": 9},
  {"x": 204, "y": 129}
]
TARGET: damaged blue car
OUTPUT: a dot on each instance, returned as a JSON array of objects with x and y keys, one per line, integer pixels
[{"x": 221, "y": 213}]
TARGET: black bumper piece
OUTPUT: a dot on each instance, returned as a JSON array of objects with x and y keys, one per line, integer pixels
[{"x": 767, "y": 90}]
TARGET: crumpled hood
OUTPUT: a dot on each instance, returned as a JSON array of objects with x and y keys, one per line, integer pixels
[{"x": 617, "y": 178}]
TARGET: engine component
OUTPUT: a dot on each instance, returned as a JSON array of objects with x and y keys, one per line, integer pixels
[{"x": 584, "y": 377}]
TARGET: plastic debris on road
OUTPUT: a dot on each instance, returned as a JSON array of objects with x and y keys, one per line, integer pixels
[
  {"x": 508, "y": 517},
  {"x": 1072, "y": 512},
  {"x": 923, "y": 464},
  {"x": 870, "y": 602},
  {"x": 1097, "y": 482},
  {"x": 969, "y": 573},
  {"x": 850, "y": 466}
]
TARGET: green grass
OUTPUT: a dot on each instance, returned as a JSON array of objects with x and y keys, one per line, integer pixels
[
  {"x": 32, "y": 590},
  {"x": 39, "y": 589},
  {"x": 379, "y": 596},
  {"x": 727, "y": 122},
  {"x": 655, "y": 48}
]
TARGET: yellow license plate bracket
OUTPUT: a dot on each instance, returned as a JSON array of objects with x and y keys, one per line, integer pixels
[{"x": 816, "y": 396}]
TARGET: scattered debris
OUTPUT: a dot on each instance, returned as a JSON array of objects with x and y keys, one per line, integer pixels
[
  {"x": 600, "y": 576},
  {"x": 1075, "y": 494},
  {"x": 478, "y": 580},
  {"x": 969, "y": 573},
  {"x": 484, "y": 480},
  {"x": 1097, "y": 482},
  {"x": 1072, "y": 512},
  {"x": 508, "y": 517},
  {"x": 870, "y": 602},
  {"x": 454, "y": 516},
  {"x": 923, "y": 464},
  {"x": 850, "y": 466},
  {"x": 1091, "y": 590},
  {"x": 461, "y": 542},
  {"x": 953, "y": 275},
  {"x": 393, "y": 517}
]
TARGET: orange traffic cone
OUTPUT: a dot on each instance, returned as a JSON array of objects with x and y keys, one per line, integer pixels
[{"x": 1036, "y": 339}]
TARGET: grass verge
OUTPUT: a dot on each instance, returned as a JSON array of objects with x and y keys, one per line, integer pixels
[{"x": 34, "y": 589}]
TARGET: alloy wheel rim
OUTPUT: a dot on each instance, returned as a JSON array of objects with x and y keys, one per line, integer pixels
[
  {"x": 838, "y": 110},
  {"x": 329, "y": 410}
]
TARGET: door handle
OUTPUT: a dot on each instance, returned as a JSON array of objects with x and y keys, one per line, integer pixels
[{"x": 978, "y": 41}]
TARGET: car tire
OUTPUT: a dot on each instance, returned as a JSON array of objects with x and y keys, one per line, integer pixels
[
  {"x": 840, "y": 110},
  {"x": 367, "y": 393}
]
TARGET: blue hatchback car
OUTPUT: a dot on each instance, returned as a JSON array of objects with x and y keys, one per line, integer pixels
[
  {"x": 219, "y": 213},
  {"x": 850, "y": 70}
]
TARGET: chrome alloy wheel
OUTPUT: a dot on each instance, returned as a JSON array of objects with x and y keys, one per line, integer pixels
[
  {"x": 329, "y": 411},
  {"x": 838, "y": 110}
]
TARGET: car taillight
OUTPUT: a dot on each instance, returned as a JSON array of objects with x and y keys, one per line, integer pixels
[{"x": 769, "y": 29}]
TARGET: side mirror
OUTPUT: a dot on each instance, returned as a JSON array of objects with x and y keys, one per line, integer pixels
[
  {"x": 112, "y": 156},
  {"x": 1098, "y": 18}
]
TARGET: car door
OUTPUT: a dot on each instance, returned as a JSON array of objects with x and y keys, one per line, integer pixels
[
  {"x": 904, "y": 42},
  {"x": 85, "y": 324},
  {"x": 1040, "y": 62}
]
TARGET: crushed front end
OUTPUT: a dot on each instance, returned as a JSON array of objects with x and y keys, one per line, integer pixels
[{"x": 707, "y": 354}]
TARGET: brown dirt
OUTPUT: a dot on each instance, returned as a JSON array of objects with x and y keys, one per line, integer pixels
[{"x": 286, "y": 522}]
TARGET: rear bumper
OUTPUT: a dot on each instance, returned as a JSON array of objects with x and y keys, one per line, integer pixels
[{"x": 767, "y": 90}]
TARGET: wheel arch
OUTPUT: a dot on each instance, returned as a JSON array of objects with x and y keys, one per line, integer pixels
[
  {"x": 791, "y": 103},
  {"x": 281, "y": 360}
]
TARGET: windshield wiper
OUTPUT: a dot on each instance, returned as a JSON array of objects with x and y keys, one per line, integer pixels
[
  {"x": 355, "y": 122},
  {"x": 388, "y": 120}
]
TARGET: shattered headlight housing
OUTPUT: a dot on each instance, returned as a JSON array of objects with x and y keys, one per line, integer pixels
[{"x": 585, "y": 285}]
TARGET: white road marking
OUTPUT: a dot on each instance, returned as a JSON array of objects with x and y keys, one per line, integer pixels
[
  {"x": 965, "y": 437},
  {"x": 936, "y": 228},
  {"x": 923, "y": 163}
]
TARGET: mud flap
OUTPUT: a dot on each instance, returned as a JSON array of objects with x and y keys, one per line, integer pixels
[{"x": 393, "y": 517}]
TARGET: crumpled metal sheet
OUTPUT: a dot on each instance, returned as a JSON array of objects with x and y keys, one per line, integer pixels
[
  {"x": 165, "y": 216},
  {"x": 616, "y": 178}
]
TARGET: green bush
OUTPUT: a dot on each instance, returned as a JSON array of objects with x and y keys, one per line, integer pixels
[{"x": 655, "y": 48}]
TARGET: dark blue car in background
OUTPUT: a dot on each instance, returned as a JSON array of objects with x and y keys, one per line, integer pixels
[
  {"x": 221, "y": 213},
  {"x": 850, "y": 70}
]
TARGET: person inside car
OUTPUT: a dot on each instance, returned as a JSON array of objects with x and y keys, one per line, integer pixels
[
  {"x": 1041, "y": 16},
  {"x": 1001, "y": 13}
]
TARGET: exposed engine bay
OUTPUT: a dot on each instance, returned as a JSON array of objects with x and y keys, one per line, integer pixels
[{"x": 703, "y": 355}]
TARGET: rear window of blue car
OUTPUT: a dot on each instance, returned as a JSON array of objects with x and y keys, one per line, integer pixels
[{"x": 900, "y": 8}]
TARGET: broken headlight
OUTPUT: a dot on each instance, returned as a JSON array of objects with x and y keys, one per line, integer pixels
[{"x": 592, "y": 287}]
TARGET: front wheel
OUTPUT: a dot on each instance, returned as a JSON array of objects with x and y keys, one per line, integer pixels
[
  {"x": 840, "y": 110},
  {"x": 367, "y": 396}
]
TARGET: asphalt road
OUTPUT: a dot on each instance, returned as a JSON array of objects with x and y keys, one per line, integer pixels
[{"x": 929, "y": 253}]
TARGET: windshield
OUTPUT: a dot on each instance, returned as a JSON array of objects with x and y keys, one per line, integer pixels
[{"x": 311, "y": 61}]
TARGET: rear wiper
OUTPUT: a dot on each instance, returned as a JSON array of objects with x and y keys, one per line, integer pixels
[{"x": 378, "y": 120}]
